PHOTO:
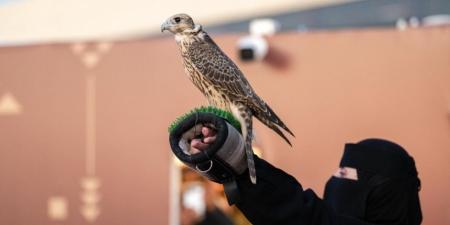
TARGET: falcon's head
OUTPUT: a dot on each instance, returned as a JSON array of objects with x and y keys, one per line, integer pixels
[{"x": 180, "y": 23}]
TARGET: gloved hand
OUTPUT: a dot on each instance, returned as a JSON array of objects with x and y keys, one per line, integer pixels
[{"x": 210, "y": 145}]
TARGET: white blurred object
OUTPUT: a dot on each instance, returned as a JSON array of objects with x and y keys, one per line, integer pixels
[
  {"x": 194, "y": 198},
  {"x": 9, "y": 105},
  {"x": 57, "y": 208},
  {"x": 414, "y": 22},
  {"x": 255, "y": 46},
  {"x": 401, "y": 24},
  {"x": 252, "y": 47},
  {"x": 264, "y": 27},
  {"x": 436, "y": 20}
]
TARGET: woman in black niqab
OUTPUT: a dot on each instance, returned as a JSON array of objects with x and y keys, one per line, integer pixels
[{"x": 386, "y": 191}]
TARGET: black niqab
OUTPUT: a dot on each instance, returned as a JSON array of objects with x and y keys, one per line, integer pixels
[{"x": 386, "y": 191}]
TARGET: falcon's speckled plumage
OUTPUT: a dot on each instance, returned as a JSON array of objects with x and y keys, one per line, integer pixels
[{"x": 221, "y": 81}]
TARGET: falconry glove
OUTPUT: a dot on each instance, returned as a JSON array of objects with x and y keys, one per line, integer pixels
[{"x": 222, "y": 161}]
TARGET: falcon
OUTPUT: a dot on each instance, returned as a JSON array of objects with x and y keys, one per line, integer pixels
[{"x": 221, "y": 81}]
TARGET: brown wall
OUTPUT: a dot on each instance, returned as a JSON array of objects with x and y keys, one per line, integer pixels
[{"x": 329, "y": 87}]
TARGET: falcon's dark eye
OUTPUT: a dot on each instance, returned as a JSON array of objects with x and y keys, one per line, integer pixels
[{"x": 177, "y": 19}]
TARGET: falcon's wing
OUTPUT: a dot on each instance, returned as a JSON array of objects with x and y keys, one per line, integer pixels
[{"x": 215, "y": 66}]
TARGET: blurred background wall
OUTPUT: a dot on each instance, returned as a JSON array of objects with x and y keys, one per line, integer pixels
[
  {"x": 334, "y": 88},
  {"x": 83, "y": 123}
]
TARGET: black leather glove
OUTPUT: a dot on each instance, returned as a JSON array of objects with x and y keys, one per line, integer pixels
[{"x": 222, "y": 161}]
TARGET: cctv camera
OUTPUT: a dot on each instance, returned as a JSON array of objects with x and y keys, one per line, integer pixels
[{"x": 252, "y": 48}]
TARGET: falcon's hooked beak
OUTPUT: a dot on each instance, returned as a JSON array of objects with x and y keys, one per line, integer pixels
[{"x": 165, "y": 26}]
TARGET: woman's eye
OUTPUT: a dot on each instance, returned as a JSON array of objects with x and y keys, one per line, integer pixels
[{"x": 177, "y": 19}]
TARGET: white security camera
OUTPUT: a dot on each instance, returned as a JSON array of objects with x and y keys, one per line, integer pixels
[
  {"x": 252, "y": 48},
  {"x": 255, "y": 46}
]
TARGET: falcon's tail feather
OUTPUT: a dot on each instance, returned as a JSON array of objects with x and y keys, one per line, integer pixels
[
  {"x": 268, "y": 115},
  {"x": 270, "y": 119},
  {"x": 277, "y": 130},
  {"x": 250, "y": 161},
  {"x": 278, "y": 121},
  {"x": 248, "y": 135}
]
